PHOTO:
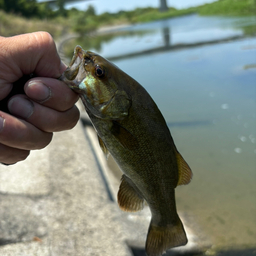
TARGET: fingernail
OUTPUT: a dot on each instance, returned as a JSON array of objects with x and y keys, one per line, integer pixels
[
  {"x": 38, "y": 91},
  {"x": 1, "y": 123},
  {"x": 21, "y": 107}
]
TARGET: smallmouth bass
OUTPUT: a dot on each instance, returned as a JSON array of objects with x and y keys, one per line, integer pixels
[{"x": 132, "y": 129}]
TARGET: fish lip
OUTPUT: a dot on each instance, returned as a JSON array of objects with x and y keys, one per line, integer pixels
[
  {"x": 78, "y": 53},
  {"x": 75, "y": 72}
]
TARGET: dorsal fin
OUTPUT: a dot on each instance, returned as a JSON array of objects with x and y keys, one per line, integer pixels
[{"x": 185, "y": 173}]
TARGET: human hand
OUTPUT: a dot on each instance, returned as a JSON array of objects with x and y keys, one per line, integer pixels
[{"x": 47, "y": 105}]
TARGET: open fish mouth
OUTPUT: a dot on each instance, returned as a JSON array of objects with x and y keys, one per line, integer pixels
[{"x": 75, "y": 72}]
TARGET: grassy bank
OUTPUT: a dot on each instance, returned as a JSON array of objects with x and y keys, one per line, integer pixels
[
  {"x": 12, "y": 25},
  {"x": 86, "y": 21},
  {"x": 229, "y": 8},
  {"x": 221, "y": 7}
]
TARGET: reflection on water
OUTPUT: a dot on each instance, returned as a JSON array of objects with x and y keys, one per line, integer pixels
[
  {"x": 100, "y": 42},
  {"x": 208, "y": 97},
  {"x": 176, "y": 33}
]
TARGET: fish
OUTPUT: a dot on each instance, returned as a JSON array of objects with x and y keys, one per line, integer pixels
[{"x": 132, "y": 129}]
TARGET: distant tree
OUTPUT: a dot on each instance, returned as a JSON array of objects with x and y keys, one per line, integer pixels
[
  {"x": 45, "y": 11},
  {"x": 85, "y": 22},
  {"x": 90, "y": 11},
  {"x": 25, "y": 8},
  {"x": 60, "y": 4}
]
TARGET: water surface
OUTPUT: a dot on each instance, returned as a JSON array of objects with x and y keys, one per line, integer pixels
[{"x": 203, "y": 78}]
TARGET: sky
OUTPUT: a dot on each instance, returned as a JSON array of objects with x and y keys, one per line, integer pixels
[{"x": 117, "y": 5}]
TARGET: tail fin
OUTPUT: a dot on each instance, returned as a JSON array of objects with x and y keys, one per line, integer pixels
[{"x": 160, "y": 239}]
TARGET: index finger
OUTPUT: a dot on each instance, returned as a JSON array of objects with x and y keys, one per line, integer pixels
[{"x": 51, "y": 93}]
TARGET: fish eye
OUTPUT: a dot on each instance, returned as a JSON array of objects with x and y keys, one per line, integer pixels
[{"x": 99, "y": 71}]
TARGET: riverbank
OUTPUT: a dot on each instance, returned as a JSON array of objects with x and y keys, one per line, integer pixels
[
  {"x": 13, "y": 24},
  {"x": 221, "y": 7}
]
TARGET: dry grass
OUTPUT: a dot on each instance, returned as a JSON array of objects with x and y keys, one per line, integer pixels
[{"x": 11, "y": 25}]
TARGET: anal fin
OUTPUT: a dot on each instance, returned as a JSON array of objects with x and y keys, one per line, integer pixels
[{"x": 128, "y": 197}]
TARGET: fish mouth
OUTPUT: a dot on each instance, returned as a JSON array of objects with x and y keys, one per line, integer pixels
[{"x": 75, "y": 72}]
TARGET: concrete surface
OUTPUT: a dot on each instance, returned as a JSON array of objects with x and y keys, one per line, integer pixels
[{"x": 62, "y": 201}]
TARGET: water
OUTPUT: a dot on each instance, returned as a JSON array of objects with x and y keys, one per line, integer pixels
[{"x": 205, "y": 86}]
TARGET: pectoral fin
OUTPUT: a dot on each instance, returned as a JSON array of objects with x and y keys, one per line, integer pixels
[
  {"x": 185, "y": 173},
  {"x": 129, "y": 198},
  {"x": 103, "y": 147},
  {"x": 127, "y": 140}
]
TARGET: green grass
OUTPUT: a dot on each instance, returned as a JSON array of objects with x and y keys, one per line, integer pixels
[
  {"x": 221, "y": 7},
  {"x": 154, "y": 14},
  {"x": 229, "y": 7},
  {"x": 11, "y": 25}
]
